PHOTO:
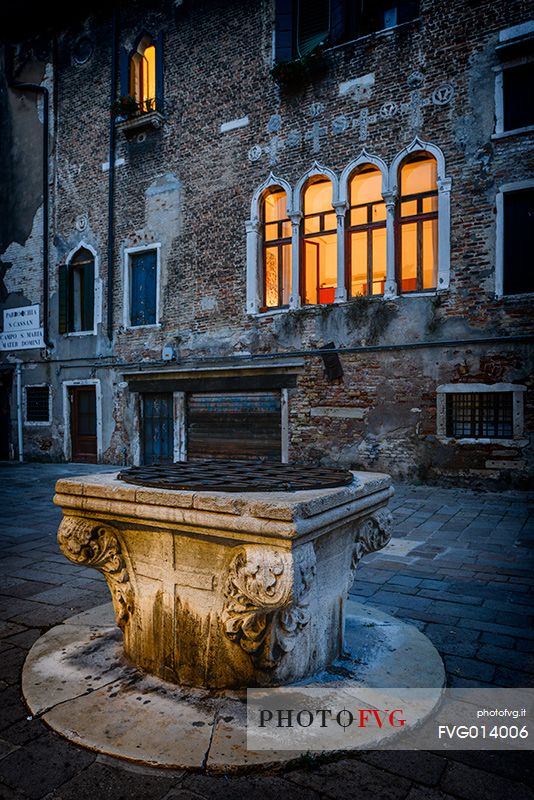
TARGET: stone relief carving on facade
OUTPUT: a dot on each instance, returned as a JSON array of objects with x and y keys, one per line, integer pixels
[
  {"x": 266, "y": 600},
  {"x": 91, "y": 544},
  {"x": 441, "y": 96}
]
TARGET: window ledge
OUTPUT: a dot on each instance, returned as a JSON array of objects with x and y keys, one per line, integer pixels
[
  {"x": 152, "y": 325},
  {"x": 150, "y": 119},
  {"x": 502, "y": 442},
  {"x": 514, "y": 132},
  {"x": 470, "y": 388},
  {"x": 37, "y": 424},
  {"x": 516, "y": 298},
  {"x": 271, "y": 312},
  {"x": 429, "y": 293},
  {"x": 73, "y": 334}
]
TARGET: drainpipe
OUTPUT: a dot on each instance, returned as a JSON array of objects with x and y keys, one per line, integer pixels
[
  {"x": 19, "y": 410},
  {"x": 42, "y": 90},
  {"x": 111, "y": 174}
]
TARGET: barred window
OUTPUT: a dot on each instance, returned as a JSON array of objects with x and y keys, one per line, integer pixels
[
  {"x": 480, "y": 415},
  {"x": 37, "y": 404}
]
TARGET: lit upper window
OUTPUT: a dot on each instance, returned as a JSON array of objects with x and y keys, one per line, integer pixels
[
  {"x": 276, "y": 250},
  {"x": 418, "y": 225},
  {"x": 143, "y": 75},
  {"x": 367, "y": 233},
  {"x": 319, "y": 243}
]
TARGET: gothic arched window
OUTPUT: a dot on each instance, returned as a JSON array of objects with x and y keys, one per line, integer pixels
[
  {"x": 143, "y": 74},
  {"x": 319, "y": 243},
  {"x": 417, "y": 224},
  {"x": 276, "y": 250},
  {"x": 366, "y": 233},
  {"x": 77, "y": 293}
]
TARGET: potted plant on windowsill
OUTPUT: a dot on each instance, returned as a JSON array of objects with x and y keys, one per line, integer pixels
[
  {"x": 124, "y": 108},
  {"x": 293, "y": 76}
]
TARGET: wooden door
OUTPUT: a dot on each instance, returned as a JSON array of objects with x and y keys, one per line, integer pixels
[
  {"x": 158, "y": 428},
  {"x": 83, "y": 423}
]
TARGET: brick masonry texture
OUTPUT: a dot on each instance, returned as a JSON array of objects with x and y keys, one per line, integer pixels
[{"x": 188, "y": 187}]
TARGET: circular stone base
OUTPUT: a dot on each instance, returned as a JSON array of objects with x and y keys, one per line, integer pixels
[{"x": 77, "y": 680}]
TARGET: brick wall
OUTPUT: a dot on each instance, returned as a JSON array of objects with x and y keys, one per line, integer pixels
[{"x": 188, "y": 187}]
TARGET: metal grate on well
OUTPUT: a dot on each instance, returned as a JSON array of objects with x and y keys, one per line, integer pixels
[{"x": 236, "y": 476}]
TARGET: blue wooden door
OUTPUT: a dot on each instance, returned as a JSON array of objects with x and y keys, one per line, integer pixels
[
  {"x": 158, "y": 428},
  {"x": 143, "y": 286}
]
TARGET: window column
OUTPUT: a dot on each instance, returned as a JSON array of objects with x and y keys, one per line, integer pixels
[
  {"x": 253, "y": 261},
  {"x": 390, "y": 289},
  {"x": 341, "y": 289},
  {"x": 294, "y": 300},
  {"x": 444, "y": 232}
]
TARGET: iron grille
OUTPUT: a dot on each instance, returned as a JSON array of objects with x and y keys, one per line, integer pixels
[
  {"x": 236, "y": 476},
  {"x": 480, "y": 415},
  {"x": 37, "y": 404}
]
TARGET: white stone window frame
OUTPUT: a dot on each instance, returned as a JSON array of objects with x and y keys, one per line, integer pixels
[
  {"x": 126, "y": 277},
  {"x": 97, "y": 289},
  {"x": 340, "y": 204},
  {"x": 295, "y": 214},
  {"x": 364, "y": 159},
  {"x": 506, "y": 188},
  {"x": 67, "y": 439},
  {"x": 318, "y": 170},
  {"x": 507, "y": 38},
  {"x": 444, "y": 185},
  {"x": 31, "y": 423},
  {"x": 517, "y": 391},
  {"x": 255, "y": 248}
]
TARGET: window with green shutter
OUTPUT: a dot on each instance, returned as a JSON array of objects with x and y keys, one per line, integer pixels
[{"x": 77, "y": 293}]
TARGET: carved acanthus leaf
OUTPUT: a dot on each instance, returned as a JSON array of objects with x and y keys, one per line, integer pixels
[
  {"x": 266, "y": 602},
  {"x": 372, "y": 534},
  {"x": 92, "y": 544}
]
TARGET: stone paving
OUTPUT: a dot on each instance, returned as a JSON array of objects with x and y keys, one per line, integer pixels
[{"x": 459, "y": 567}]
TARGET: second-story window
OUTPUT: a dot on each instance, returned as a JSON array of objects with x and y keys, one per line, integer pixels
[
  {"x": 518, "y": 241},
  {"x": 77, "y": 293},
  {"x": 143, "y": 75},
  {"x": 319, "y": 243},
  {"x": 367, "y": 233},
  {"x": 276, "y": 250},
  {"x": 302, "y": 25},
  {"x": 417, "y": 255},
  {"x": 143, "y": 287}
]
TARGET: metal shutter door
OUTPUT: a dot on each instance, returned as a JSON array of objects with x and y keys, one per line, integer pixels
[{"x": 239, "y": 425}]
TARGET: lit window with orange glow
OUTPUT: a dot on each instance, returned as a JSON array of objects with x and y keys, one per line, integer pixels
[
  {"x": 367, "y": 233},
  {"x": 276, "y": 250},
  {"x": 143, "y": 75},
  {"x": 417, "y": 256},
  {"x": 319, "y": 244}
]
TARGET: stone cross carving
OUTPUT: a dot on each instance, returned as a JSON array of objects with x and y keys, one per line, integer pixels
[{"x": 315, "y": 134}]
